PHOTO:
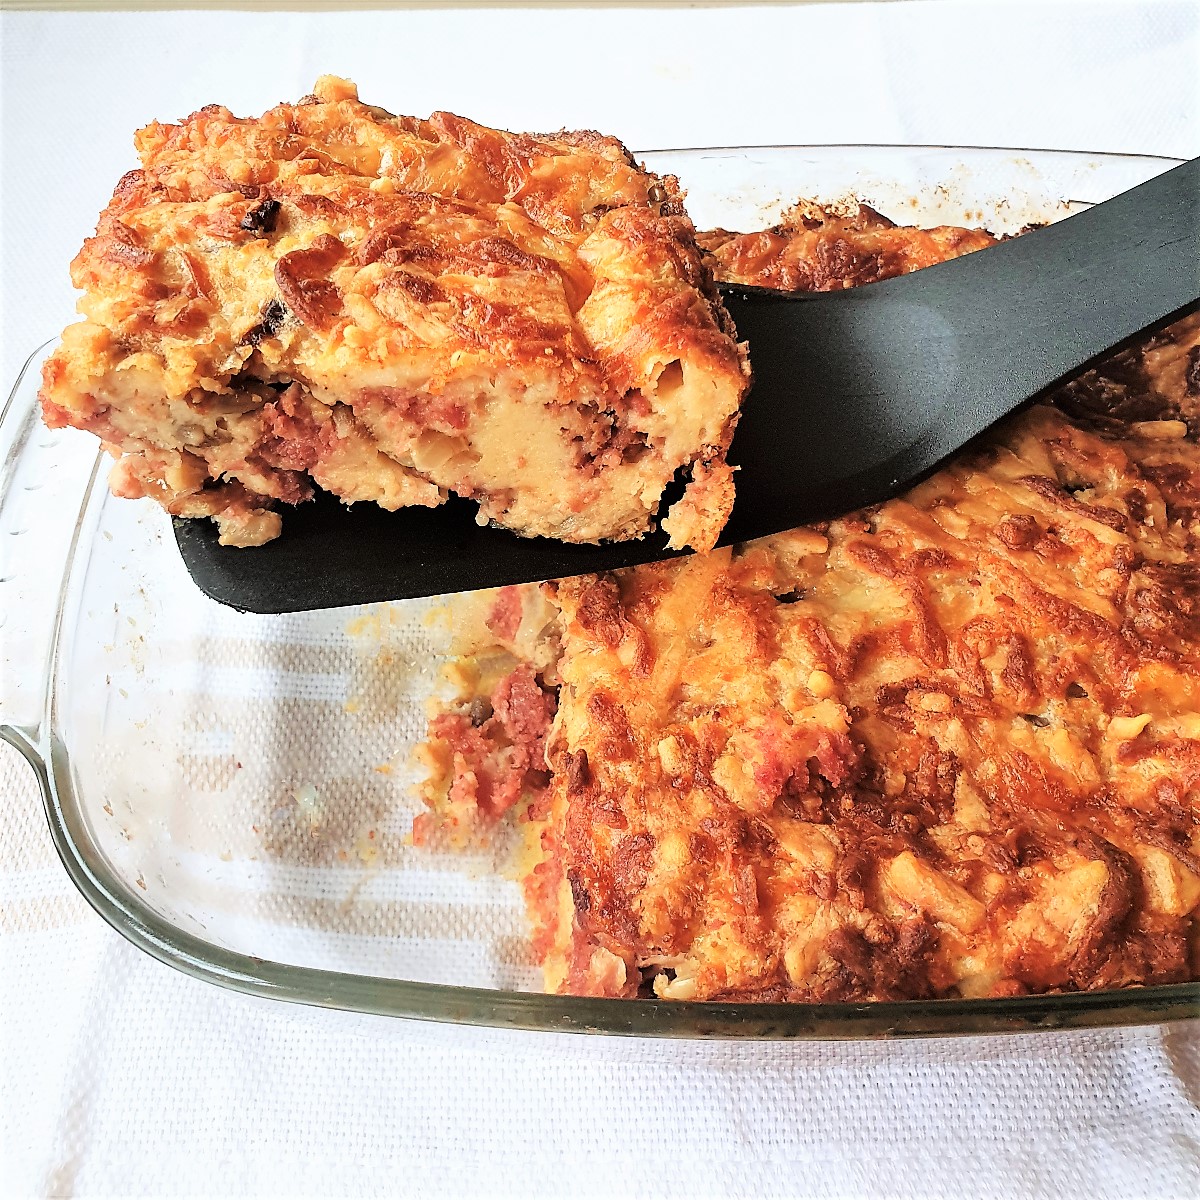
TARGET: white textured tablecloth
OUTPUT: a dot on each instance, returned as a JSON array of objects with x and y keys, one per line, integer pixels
[{"x": 122, "y": 1077}]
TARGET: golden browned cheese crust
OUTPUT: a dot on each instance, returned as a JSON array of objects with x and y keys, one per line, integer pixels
[
  {"x": 947, "y": 746},
  {"x": 396, "y": 309},
  {"x": 814, "y": 249}
]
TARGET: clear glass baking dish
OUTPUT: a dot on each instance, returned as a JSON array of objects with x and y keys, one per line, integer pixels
[{"x": 232, "y": 792}]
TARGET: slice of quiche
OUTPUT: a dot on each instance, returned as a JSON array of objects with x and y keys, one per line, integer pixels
[{"x": 394, "y": 310}]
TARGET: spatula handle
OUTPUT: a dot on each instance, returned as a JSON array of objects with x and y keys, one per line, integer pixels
[{"x": 1042, "y": 304}]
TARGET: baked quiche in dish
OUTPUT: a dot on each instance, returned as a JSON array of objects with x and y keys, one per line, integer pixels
[
  {"x": 395, "y": 310},
  {"x": 947, "y": 746}
]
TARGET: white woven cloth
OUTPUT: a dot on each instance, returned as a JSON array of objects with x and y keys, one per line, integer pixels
[{"x": 122, "y": 1077}]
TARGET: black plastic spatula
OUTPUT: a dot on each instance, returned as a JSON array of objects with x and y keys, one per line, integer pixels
[{"x": 857, "y": 395}]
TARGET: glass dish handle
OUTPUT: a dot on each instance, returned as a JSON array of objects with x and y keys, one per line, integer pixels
[{"x": 45, "y": 476}]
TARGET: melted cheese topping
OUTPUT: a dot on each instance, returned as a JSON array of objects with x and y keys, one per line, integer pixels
[
  {"x": 815, "y": 250},
  {"x": 946, "y": 746}
]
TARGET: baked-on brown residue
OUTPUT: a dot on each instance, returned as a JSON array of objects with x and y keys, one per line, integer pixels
[{"x": 946, "y": 746}]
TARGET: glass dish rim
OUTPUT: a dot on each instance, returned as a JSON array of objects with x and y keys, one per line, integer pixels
[
  {"x": 140, "y": 924},
  {"x": 1133, "y": 156}
]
